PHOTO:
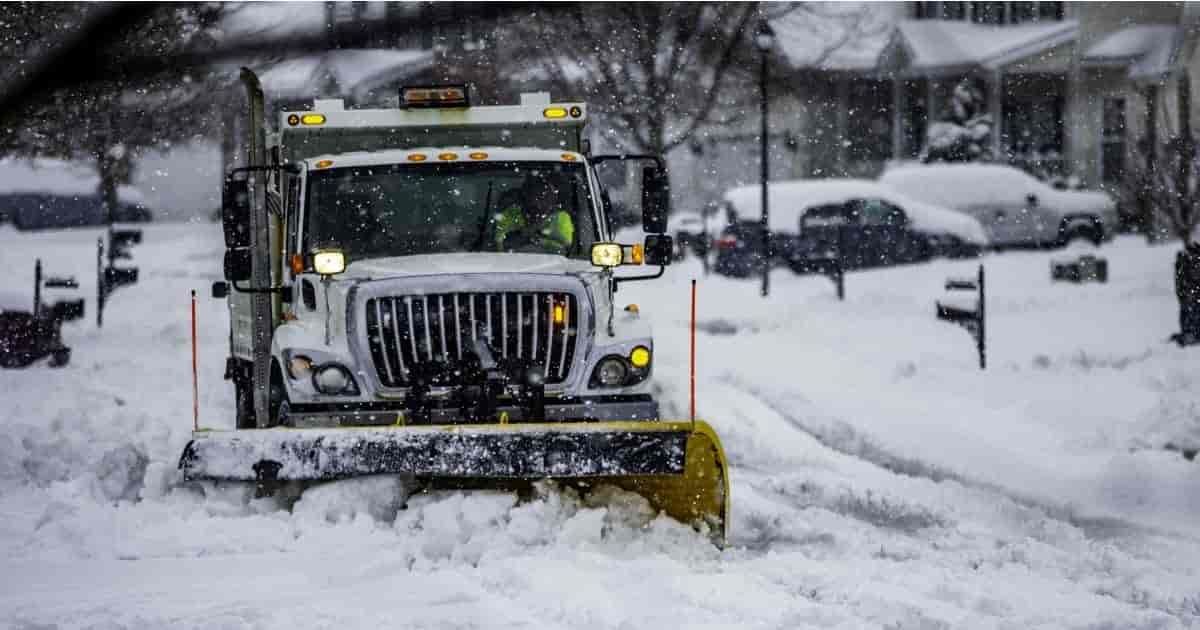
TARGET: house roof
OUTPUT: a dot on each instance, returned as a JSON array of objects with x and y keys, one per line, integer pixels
[
  {"x": 1148, "y": 50},
  {"x": 934, "y": 45}
]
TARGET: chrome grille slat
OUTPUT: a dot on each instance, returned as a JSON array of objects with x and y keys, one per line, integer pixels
[
  {"x": 520, "y": 326},
  {"x": 396, "y": 333},
  {"x": 379, "y": 328},
  {"x": 549, "y": 336},
  {"x": 457, "y": 327},
  {"x": 428, "y": 336},
  {"x": 412, "y": 332},
  {"x": 563, "y": 368},
  {"x": 519, "y": 335}
]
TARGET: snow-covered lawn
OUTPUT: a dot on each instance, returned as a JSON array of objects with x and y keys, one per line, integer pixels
[{"x": 879, "y": 479}]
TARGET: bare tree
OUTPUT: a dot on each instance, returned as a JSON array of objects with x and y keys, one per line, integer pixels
[
  {"x": 654, "y": 70},
  {"x": 107, "y": 121}
]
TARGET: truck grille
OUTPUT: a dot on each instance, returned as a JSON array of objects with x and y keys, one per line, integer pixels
[{"x": 404, "y": 331}]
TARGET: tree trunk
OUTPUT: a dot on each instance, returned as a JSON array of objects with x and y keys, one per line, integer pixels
[{"x": 1187, "y": 261}]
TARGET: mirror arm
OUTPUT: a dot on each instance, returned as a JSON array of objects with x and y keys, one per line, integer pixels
[
  {"x": 258, "y": 290},
  {"x": 617, "y": 280}
]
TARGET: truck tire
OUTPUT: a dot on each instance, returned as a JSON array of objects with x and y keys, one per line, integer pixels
[
  {"x": 277, "y": 398},
  {"x": 243, "y": 395}
]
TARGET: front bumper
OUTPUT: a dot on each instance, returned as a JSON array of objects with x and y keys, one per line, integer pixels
[{"x": 388, "y": 413}]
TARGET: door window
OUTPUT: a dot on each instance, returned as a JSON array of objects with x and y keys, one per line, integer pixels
[{"x": 877, "y": 212}]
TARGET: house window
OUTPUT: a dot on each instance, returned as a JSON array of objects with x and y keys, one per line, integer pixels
[
  {"x": 1112, "y": 142},
  {"x": 1050, "y": 11},
  {"x": 1020, "y": 12},
  {"x": 987, "y": 12},
  {"x": 869, "y": 121},
  {"x": 990, "y": 12}
]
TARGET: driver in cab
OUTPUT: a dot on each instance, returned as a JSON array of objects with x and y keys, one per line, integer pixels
[{"x": 541, "y": 225}]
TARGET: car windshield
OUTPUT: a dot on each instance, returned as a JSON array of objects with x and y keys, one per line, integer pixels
[{"x": 404, "y": 209}]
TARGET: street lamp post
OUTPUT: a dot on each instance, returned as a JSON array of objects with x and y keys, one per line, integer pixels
[{"x": 764, "y": 40}]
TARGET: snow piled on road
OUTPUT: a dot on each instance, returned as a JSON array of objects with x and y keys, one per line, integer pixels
[{"x": 879, "y": 479}]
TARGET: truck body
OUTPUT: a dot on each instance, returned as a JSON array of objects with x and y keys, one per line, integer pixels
[{"x": 445, "y": 275}]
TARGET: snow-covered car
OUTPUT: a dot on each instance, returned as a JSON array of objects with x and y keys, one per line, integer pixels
[
  {"x": 1014, "y": 207},
  {"x": 689, "y": 230},
  {"x": 868, "y": 223}
]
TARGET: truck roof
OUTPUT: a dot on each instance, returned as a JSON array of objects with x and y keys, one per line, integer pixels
[
  {"x": 331, "y": 128},
  {"x": 441, "y": 155}
]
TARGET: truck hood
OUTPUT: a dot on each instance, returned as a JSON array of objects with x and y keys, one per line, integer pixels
[{"x": 434, "y": 264}]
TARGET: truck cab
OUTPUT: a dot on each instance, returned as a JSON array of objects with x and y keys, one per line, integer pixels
[{"x": 440, "y": 264}]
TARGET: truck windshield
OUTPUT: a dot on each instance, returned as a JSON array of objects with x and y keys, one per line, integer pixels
[{"x": 409, "y": 209}]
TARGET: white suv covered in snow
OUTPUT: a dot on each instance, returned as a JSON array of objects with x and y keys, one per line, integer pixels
[{"x": 1014, "y": 207}]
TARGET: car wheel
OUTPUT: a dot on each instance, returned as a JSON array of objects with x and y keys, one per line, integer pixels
[{"x": 60, "y": 358}]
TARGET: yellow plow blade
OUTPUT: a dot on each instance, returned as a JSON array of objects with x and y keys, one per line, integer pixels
[{"x": 679, "y": 467}]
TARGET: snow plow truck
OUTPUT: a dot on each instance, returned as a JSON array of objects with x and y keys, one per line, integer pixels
[{"x": 428, "y": 291}]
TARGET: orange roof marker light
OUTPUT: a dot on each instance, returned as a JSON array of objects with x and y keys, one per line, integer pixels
[
  {"x": 478, "y": 155},
  {"x": 555, "y": 112},
  {"x": 323, "y": 163},
  {"x": 569, "y": 157},
  {"x": 416, "y": 157},
  {"x": 313, "y": 119},
  {"x": 434, "y": 96},
  {"x": 448, "y": 156}
]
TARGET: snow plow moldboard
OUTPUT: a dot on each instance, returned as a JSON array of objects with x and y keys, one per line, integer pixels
[{"x": 679, "y": 467}]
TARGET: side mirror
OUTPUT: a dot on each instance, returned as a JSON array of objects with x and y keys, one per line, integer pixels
[
  {"x": 656, "y": 200},
  {"x": 220, "y": 290},
  {"x": 237, "y": 264},
  {"x": 235, "y": 212},
  {"x": 1031, "y": 200},
  {"x": 67, "y": 310},
  {"x": 659, "y": 249}
]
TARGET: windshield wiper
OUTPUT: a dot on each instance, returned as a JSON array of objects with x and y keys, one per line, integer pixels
[{"x": 483, "y": 221}]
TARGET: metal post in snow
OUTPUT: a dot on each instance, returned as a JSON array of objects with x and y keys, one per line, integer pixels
[
  {"x": 764, "y": 39},
  {"x": 37, "y": 288}
]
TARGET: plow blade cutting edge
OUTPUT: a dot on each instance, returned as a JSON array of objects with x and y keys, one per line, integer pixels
[{"x": 679, "y": 467}]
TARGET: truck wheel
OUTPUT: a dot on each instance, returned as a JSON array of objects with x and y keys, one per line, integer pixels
[
  {"x": 277, "y": 401},
  {"x": 244, "y": 402}
]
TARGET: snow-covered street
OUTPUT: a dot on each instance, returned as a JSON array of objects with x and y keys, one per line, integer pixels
[{"x": 880, "y": 480}]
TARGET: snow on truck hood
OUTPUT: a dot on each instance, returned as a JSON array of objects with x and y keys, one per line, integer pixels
[{"x": 434, "y": 264}]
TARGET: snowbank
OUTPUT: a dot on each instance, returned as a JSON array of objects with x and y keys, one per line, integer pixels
[{"x": 880, "y": 480}]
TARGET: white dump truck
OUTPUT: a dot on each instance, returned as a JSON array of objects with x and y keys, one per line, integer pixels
[{"x": 429, "y": 291}]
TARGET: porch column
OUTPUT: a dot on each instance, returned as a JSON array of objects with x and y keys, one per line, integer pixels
[
  {"x": 996, "y": 108},
  {"x": 897, "y": 108}
]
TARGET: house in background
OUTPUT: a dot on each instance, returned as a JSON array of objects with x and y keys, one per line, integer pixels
[{"x": 1069, "y": 86}]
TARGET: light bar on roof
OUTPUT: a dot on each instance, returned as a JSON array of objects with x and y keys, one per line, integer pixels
[{"x": 434, "y": 96}]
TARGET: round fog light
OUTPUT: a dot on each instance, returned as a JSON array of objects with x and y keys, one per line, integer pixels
[
  {"x": 331, "y": 379},
  {"x": 640, "y": 357},
  {"x": 611, "y": 372}
]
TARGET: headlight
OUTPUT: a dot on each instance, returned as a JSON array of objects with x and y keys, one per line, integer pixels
[
  {"x": 611, "y": 372},
  {"x": 334, "y": 379}
]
